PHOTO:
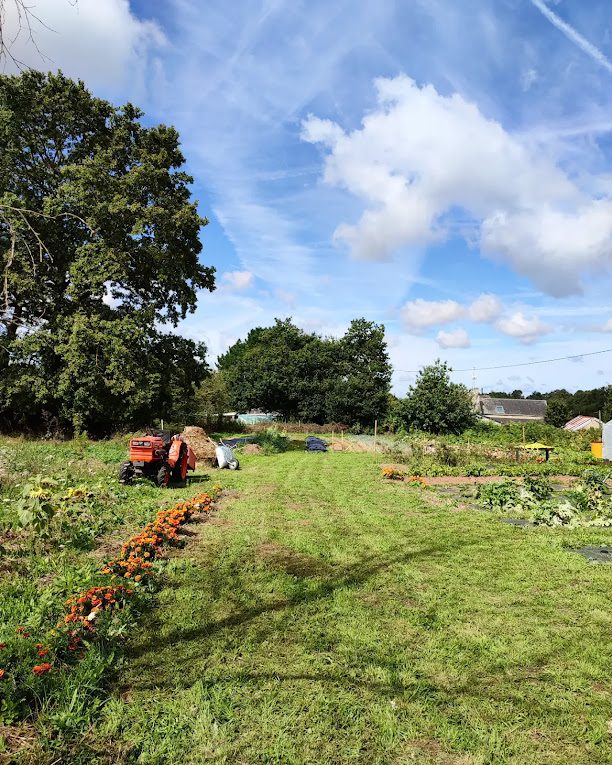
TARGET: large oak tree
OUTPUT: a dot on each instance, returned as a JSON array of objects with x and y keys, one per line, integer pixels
[{"x": 99, "y": 246}]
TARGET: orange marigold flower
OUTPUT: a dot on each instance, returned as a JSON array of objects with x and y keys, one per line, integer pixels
[
  {"x": 41, "y": 669},
  {"x": 2, "y": 673},
  {"x": 43, "y": 652}
]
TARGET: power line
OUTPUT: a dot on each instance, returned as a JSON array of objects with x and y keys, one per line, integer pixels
[{"x": 520, "y": 364}]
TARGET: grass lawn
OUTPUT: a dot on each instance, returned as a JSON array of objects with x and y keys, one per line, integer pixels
[{"x": 327, "y": 616}]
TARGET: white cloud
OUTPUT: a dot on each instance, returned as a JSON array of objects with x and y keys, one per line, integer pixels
[
  {"x": 457, "y": 338},
  {"x": 607, "y": 327},
  {"x": 237, "y": 280},
  {"x": 102, "y": 42},
  {"x": 524, "y": 328},
  {"x": 420, "y": 314},
  {"x": 420, "y": 156},
  {"x": 485, "y": 308}
]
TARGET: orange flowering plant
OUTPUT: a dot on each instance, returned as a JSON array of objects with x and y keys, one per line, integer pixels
[
  {"x": 393, "y": 474},
  {"x": 100, "y": 613}
]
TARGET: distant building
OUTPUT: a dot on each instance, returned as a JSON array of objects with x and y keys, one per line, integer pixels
[
  {"x": 501, "y": 410},
  {"x": 582, "y": 422},
  {"x": 254, "y": 416}
]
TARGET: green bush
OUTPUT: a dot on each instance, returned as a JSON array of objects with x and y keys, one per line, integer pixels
[{"x": 272, "y": 441}]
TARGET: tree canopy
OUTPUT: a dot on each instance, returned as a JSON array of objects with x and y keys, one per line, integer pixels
[
  {"x": 437, "y": 405},
  {"x": 99, "y": 244},
  {"x": 304, "y": 376}
]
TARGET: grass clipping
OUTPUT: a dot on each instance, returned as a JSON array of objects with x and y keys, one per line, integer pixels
[{"x": 203, "y": 446}]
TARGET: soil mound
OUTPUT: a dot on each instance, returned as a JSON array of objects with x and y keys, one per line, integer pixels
[
  {"x": 252, "y": 449},
  {"x": 203, "y": 446}
]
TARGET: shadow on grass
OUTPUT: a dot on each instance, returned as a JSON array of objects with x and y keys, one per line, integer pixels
[{"x": 348, "y": 576}]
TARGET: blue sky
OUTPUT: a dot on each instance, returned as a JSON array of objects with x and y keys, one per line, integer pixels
[{"x": 441, "y": 167}]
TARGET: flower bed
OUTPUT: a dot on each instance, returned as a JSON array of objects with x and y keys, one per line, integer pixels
[
  {"x": 395, "y": 474},
  {"x": 102, "y": 614}
]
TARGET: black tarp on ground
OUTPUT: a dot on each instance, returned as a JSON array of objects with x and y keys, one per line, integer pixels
[
  {"x": 314, "y": 444},
  {"x": 596, "y": 554},
  {"x": 234, "y": 442}
]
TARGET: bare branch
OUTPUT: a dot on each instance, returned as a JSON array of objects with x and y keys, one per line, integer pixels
[
  {"x": 16, "y": 236},
  {"x": 27, "y": 20}
]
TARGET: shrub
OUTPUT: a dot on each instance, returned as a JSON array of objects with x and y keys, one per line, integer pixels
[{"x": 272, "y": 441}]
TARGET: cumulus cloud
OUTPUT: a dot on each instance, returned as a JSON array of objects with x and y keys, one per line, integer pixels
[
  {"x": 237, "y": 280},
  {"x": 421, "y": 155},
  {"x": 527, "y": 329},
  {"x": 418, "y": 315},
  {"x": 485, "y": 308},
  {"x": 607, "y": 327},
  {"x": 421, "y": 314},
  {"x": 102, "y": 42},
  {"x": 457, "y": 338}
]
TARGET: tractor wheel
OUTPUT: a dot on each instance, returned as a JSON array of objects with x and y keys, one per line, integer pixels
[
  {"x": 163, "y": 477},
  {"x": 126, "y": 473}
]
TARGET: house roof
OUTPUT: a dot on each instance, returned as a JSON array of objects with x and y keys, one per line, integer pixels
[
  {"x": 511, "y": 409},
  {"x": 582, "y": 422}
]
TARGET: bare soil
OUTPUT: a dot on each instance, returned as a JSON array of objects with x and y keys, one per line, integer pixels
[{"x": 456, "y": 480}]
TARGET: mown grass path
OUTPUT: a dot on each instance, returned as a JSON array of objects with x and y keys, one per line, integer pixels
[{"x": 325, "y": 616}]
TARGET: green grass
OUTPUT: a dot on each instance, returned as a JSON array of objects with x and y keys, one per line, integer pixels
[
  {"x": 328, "y": 616},
  {"x": 37, "y": 576}
]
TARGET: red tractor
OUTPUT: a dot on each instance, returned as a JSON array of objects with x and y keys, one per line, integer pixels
[{"x": 159, "y": 456}]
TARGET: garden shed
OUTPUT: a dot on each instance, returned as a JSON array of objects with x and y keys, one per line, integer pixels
[{"x": 582, "y": 422}]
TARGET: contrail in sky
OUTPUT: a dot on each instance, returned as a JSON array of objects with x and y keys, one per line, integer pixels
[{"x": 573, "y": 35}]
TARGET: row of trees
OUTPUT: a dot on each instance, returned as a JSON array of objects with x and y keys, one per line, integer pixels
[
  {"x": 304, "y": 376},
  {"x": 99, "y": 246}
]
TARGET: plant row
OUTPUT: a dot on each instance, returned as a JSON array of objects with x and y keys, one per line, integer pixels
[
  {"x": 37, "y": 665},
  {"x": 588, "y": 502}
]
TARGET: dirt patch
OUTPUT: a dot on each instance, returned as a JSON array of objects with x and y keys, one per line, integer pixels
[
  {"x": 108, "y": 547},
  {"x": 344, "y": 445},
  {"x": 290, "y": 561},
  {"x": 461, "y": 480},
  {"x": 431, "y": 751},
  {"x": 370, "y": 598},
  {"x": 297, "y": 506},
  {"x": 228, "y": 494},
  {"x": 252, "y": 449},
  {"x": 220, "y": 522}
]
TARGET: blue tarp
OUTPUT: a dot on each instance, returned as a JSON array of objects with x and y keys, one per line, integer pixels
[
  {"x": 314, "y": 444},
  {"x": 234, "y": 442}
]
